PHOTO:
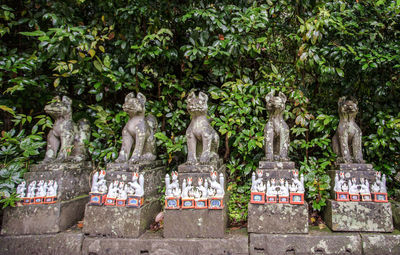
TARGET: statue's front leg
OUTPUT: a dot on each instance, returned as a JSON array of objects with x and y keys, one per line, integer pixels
[
  {"x": 357, "y": 148},
  {"x": 206, "y": 153},
  {"x": 67, "y": 143},
  {"x": 191, "y": 143},
  {"x": 127, "y": 142},
  {"x": 284, "y": 144},
  {"x": 344, "y": 147},
  {"x": 139, "y": 145},
  {"x": 269, "y": 141},
  {"x": 53, "y": 143}
]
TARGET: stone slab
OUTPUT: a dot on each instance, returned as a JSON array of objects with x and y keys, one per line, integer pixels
[
  {"x": 396, "y": 214},
  {"x": 277, "y": 218},
  {"x": 316, "y": 242},
  {"x": 353, "y": 166},
  {"x": 116, "y": 221},
  {"x": 152, "y": 243},
  {"x": 276, "y": 165},
  {"x": 130, "y": 167},
  {"x": 61, "y": 243},
  {"x": 71, "y": 182},
  {"x": 195, "y": 223},
  {"x": 62, "y": 166},
  {"x": 153, "y": 179},
  {"x": 381, "y": 244},
  {"x": 200, "y": 168},
  {"x": 358, "y": 216},
  {"x": 43, "y": 219},
  {"x": 287, "y": 174}
]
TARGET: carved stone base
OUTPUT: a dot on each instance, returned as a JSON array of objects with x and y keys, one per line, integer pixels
[
  {"x": 152, "y": 179},
  {"x": 358, "y": 216},
  {"x": 130, "y": 167},
  {"x": 42, "y": 218},
  {"x": 353, "y": 166},
  {"x": 200, "y": 168},
  {"x": 276, "y": 165},
  {"x": 317, "y": 242},
  {"x": 277, "y": 218},
  {"x": 195, "y": 223},
  {"x": 116, "y": 221},
  {"x": 72, "y": 178}
]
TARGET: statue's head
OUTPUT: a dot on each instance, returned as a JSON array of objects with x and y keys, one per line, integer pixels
[
  {"x": 259, "y": 173},
  {"x": 348, "y": 105},
  {"x": 174, "y": 175},
  {"x": 214, "y": 175},
  {"x": 275, "y": 102},
  {"x": 134, "y": 105},
  {"x": 59, "y": 107},
  {"x": 200, "y": 181},
  {"x": 135, "y": 176},
  {"x": 197, "y": 105},
  {"x": 295, "y": 173},
  {"x": 189, "y": 180}
]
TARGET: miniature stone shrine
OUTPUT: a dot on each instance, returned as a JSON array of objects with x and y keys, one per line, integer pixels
[
  {"x": 57, "y": 188},
  {"x": 359, "y": 192},
  {"x": 124, "y": 198},
  {"x": 195, "y": 196},
  {"x": 277, "y": 192}
]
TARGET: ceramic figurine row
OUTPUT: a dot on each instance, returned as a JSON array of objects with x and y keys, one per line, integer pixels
[
  {"x": 275, "y": 192},
  {"x": 350, "y": 190},
  {"x": 208, "y": 193},
  {"x": 38, "y": 192},
  {"x": 117, "y": 193}
]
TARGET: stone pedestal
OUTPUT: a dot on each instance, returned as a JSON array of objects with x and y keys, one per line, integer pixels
[
  {"x": 72, "y": 194},
  {"x": 278, "y": 218},
  {"x": 113, "y": 221},
  {"x": 43, "y": 218},
  {"x": 197, "y": 223},
  {"x": 358, "y": 216}
]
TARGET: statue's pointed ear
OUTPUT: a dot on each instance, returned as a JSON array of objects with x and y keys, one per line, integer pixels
[
  {"x": 341, "y": 101},
  {"x": 354, "y": 100},
  {"x": 129, "y": 96},
  {"x": 283, "y": 96},
  {"x": 141, "y": 98},
  {"x": 191, "y": 95},
  {"x": 203, "y": 96},
  {"x": 269, "y": 96},
  {"x": 66, "y": 100}
]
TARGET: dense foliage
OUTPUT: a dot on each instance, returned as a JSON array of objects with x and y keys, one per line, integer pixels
[{"x": 237, "y": 51}]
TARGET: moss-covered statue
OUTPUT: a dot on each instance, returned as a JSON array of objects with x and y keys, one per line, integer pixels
[
  {"x": 65, "y": 142},
  {"x": 346, "y": 142},
  {"x": 139, "y": 131},
  {"x": 276, "y": 132},
  {"x": 202, "y": 139}
]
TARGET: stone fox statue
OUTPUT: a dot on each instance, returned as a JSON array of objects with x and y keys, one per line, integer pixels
[
  {"x": 202, "y": 139},
  {"x": 346, "y": 142},
  {"x": 276, "y": 132},
  {"x": 66, "y": 140},
  {"x": 139, "y": 131}
]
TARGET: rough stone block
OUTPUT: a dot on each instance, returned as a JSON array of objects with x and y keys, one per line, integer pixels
[
  {"x": 72, "y": 178},
  {"x": 277, "y": 218},
  {"x": 276, "y": 165},
  {"x": 396, "y": 214},
  {"x": 130, "y": 167},
  {"x": 381, "y": 244},
  {"x": 152, "y": 179},
  {"x": 358, "y": 216},
  {"x": 43, "y": 218},
  {"x": 316, "y": 242},
  {"x": 116, "y": 221},
  {"x": 287, "y": 174},
  {"x": 199, "y": 168},
  {"x": 195, "y": 223},
  {"x": 154, "y": 243},
  {"x": 61, "y": 243},
  {"x": 354, "y": 167}
]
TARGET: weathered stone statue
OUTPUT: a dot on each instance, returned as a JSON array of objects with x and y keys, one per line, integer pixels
[
  {"x": 276, "y": 130},
  {"x": 139, "y": 131},
  {"x": 202, "y": 139},
  {"x": 66, "y": 140},
  {"x": 346, "y": 142}
]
